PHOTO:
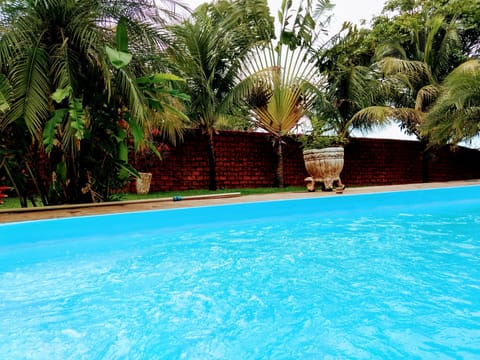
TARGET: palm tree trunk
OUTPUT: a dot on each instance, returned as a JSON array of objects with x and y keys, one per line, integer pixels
[
  {"x": 279, "y": 181},
  {"x": 212, "y": 173},
  {"x": 425, "y": 160}
]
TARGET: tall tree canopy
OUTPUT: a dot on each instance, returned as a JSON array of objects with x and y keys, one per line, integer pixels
[{"x": 402, "y": 18}]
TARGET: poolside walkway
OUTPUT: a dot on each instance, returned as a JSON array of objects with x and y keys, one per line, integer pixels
[{"x": 51, "y": 212}]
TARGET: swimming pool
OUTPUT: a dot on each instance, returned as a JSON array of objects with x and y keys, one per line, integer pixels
[{"x": 393, "y": 275}]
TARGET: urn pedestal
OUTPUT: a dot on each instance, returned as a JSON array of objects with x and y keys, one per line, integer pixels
[{"x": 324, "y": 166}]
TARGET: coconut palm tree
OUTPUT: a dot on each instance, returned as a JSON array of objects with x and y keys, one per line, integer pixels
[
  {"x": 456, "y": 114},
  {"x": 70, "y": 69},
  {"x": 350, "y": 83},
  {"x": 207, "y": 49},
  {"x": 411, "y": 81}
]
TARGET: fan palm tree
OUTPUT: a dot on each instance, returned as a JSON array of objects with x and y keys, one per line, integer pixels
[
  {"x": 281, "y": 91},
  {"x": 280, "y": 79},
  {"x": 70, "y": 69},
  {"x": 207, "y": 50},
  {"x": 456, "y": 114}
]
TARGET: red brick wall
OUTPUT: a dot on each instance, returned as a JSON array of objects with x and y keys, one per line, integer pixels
[
  {"x": 243, "y": 160},
  {"x": 457, "y": 164},
  {"x": 382, "y": 162},
  {"x": 386, "y": 162},
  {"x": 248, "y": 160}
]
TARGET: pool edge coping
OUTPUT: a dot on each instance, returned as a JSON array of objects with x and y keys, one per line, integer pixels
[{"x": 83, "y": 210}]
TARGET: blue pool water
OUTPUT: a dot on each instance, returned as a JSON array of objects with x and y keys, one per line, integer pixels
[{"x": 394, "y": 275}]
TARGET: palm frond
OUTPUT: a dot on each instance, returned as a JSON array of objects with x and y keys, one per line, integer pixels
[
  {"x": 456, "y": 114},
  {"x": 5, "y": 96},
  {"x": 170, "y": 123},
  {"x": 373, "y": 115},
  {"x": 450, "y": 125},
  {"x": 279, "y": 87},
  {"x": 381, "y": 115},
  {"x": 426, "y": 96},
  {"x": 31, "y": 90},
  {"x": 208, "y": 50},
  {"x": 434, "y": 24},
  {"x": 61, "y": 67},
  {"x": 134, "y": 98},
  {"x": 414, "y": 70},
  {"x": 463, "y": 84},
  {"x": 450, "y": 43},
  {"x": 390, "y": 50}
]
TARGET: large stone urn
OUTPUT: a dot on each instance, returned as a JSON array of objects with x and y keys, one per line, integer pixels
[
  {"x": 143, "y": 183},
  {"x": 324, "y": 166}
]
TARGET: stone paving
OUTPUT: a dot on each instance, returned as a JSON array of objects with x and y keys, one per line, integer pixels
[{"x": 29, "y": 214}]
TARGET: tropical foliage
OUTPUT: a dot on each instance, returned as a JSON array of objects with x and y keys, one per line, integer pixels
[
  {"x": 73, "y": 73},
  {"x": 420, "y": 43},
  {"x": 416, "y": 45}
]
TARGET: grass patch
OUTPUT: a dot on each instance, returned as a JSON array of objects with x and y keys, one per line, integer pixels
[
  {"x": 252, "y": 191},
  {"x": 10, "y": 203},
  {"x": 14, "y": 203}
]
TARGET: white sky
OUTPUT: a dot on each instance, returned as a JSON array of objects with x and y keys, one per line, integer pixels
[{"x": 345, "y": 10}]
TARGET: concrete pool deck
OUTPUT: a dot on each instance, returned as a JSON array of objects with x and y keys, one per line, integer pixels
[{"x": 52, "y": 212}]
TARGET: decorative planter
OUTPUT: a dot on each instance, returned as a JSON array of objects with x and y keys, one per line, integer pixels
[
  {"x": 324, "y": 166},
  {"x": 143, "y": 183}
]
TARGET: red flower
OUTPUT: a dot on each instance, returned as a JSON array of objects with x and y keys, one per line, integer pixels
[
  {"x": 122, "y": 123},
  {"x": 163, "y": 148}
]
